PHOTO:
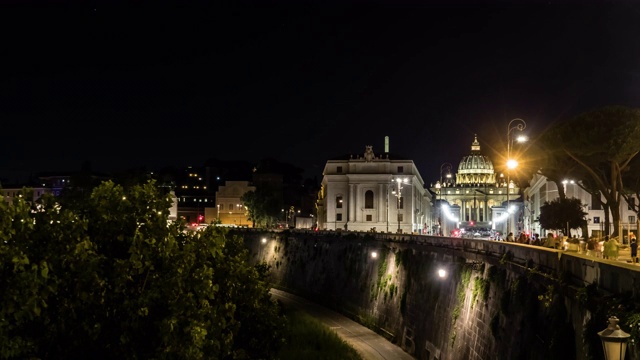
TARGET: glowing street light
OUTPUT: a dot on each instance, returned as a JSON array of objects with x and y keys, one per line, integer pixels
[
  {"x": 515, "y": 124},
  {"x": 398, "y": 194},
  {"x": 439, "y": 184},
  {"x": 564, "y": 184}
]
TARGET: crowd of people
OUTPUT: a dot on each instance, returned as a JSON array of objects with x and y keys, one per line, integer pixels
[
  {"x": 605, "y": 248},
  {"x": 550, "y": 241}
]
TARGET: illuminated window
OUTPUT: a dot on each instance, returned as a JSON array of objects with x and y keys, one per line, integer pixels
[{"x": 339, "y": 202}]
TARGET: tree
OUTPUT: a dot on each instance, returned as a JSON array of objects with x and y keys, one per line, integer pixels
[
  {"x": 631, "y": 193},
  {"x": 263, "y": 206},
  {"x": 544, "y": 157},
  {"x": 119, "y": 281},
  {"x": 562, "y": 214},
  {"x": 601, "y": 143}
]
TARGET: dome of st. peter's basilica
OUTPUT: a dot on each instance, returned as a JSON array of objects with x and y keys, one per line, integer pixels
[{"x": 475, "y": 169}]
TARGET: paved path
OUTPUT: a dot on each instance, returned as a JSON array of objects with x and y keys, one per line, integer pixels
[
  {"x": 367, "y": 343},
  {"x": 624, "y": 256}
]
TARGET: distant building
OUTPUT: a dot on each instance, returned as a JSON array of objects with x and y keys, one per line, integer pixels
[
  {"x": 45, "y": 183},
  {"x": 229, "y": 209},
  {"x": 362, "y": 193},
  {"x": 475, "y": 197}
]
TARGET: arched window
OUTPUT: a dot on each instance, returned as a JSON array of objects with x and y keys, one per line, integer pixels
[{"x": 368, "y": 199}]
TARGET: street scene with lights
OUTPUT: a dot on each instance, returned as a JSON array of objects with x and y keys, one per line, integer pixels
[
  {"x": 264, "y": 179},
  {"x": 382, "y": 238}
]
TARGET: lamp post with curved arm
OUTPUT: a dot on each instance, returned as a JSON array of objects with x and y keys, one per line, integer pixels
[
  {"x": 439, "y": 185},
  {"x": 515, "y": 124}
]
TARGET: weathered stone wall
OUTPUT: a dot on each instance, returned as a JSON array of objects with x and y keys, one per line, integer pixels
[{"x": 497, "y": 301}]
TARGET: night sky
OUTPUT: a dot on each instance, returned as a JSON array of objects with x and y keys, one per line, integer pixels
[{"x": 127, "y": 86}]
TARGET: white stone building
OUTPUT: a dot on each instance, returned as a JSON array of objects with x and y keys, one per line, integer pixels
[
  {"x": 383, "y": 193},
  {"x": 541, "y": 190}
]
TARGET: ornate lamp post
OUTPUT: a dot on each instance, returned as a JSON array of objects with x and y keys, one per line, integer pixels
[
  {"x": 398, "y": 193},
  {"x": 515, "y": 124},
  {"x": 614, "y": 340}
]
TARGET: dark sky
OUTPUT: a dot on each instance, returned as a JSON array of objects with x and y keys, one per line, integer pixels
[{"x": 301, "y": 81}]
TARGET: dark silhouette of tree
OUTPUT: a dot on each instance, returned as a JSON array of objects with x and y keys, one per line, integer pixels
[
  {"x": 631, "y": 193},
  {"x": 597, "y": 148},
  {"x": 263, "y": 205},
  {"x": 562, "y": 214}
]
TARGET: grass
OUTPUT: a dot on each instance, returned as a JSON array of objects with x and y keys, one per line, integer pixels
[{"x": 310, "y": 339}]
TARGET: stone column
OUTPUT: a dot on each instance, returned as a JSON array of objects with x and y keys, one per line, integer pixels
[{"x": 352, "y": 216}]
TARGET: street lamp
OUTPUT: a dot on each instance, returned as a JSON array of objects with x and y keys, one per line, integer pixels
[
  {"x": 447, "y": 167},
  {"x": 398, "y": 193},
  {"x": 439, "y": 206},
  {"x": 439, "y": 184},
  {"x": 564, "y": 185},
  {"x": 515, "y": 124},
  {"x": 614, "y": 340}
]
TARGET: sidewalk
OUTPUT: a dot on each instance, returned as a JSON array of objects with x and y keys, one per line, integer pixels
[{"x": 624, "y": 255}]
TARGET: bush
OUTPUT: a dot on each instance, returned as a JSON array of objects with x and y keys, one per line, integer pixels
[{"x": 115, "y": 280}]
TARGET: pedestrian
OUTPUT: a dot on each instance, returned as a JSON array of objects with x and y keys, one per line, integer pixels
[
  {"x": 634, "y": 250},
  {"x": 510, "y": 237},
  {"x": 591, "y": 247},
  {"x": 550, "y": 242},
  {"x": 600, "y": 249},
  {"x": 607, "y": 251},
  {"x": 615, "y": 248}
]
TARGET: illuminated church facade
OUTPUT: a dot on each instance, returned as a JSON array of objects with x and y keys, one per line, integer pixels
[{"x": 475, "y": 198}]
